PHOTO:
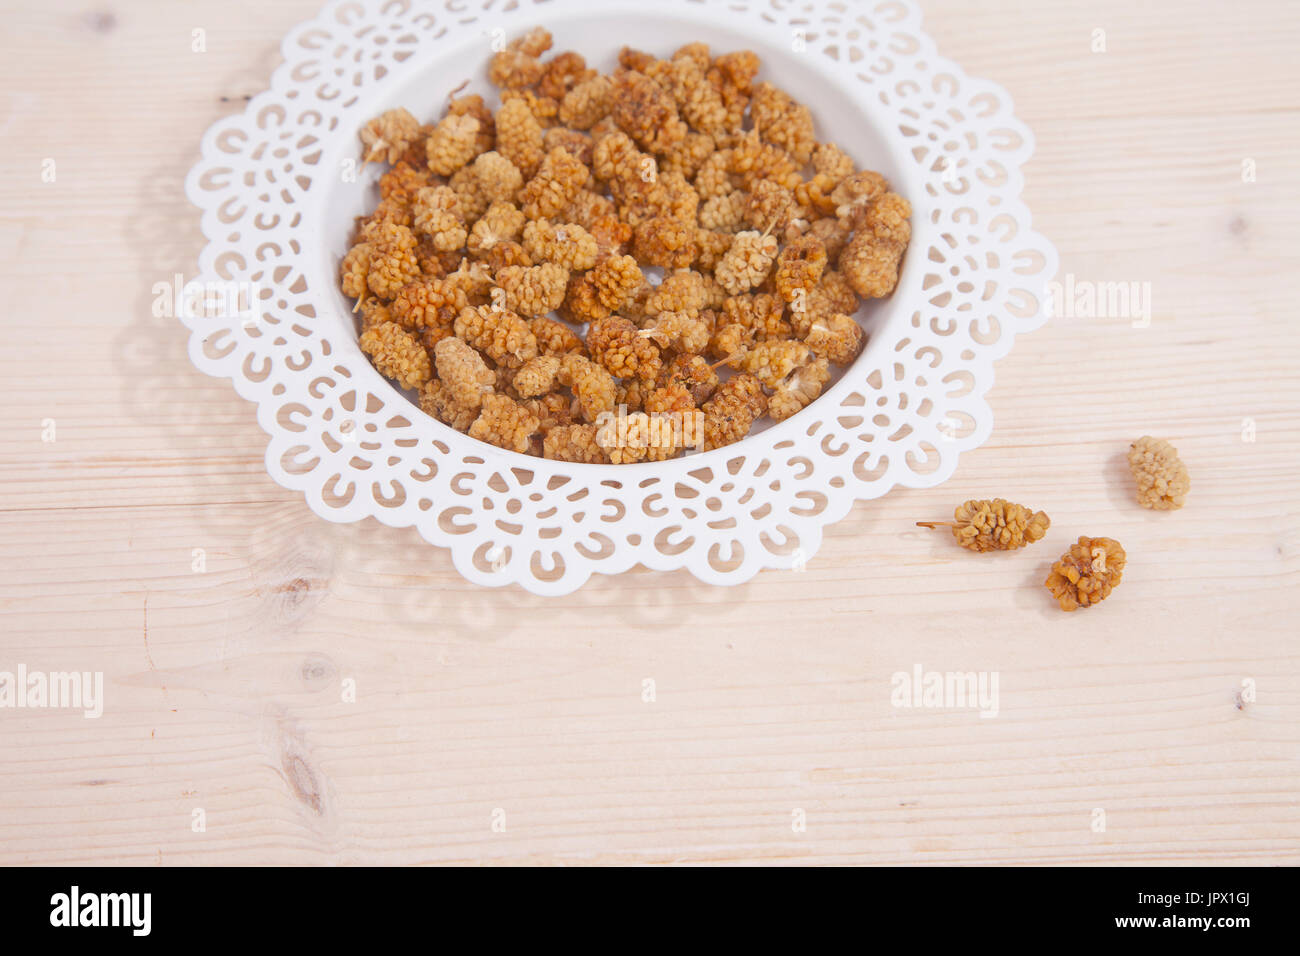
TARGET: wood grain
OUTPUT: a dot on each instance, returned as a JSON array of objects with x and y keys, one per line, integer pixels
[{"x": 224, "y": 686}]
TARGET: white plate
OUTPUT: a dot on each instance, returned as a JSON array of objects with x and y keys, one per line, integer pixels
[{"x": 278, "y": 187}]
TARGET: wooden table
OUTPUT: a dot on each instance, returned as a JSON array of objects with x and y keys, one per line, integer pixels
[{"x": 1172, "y": 708}]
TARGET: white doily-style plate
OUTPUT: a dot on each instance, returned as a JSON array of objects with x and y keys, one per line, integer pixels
[{"x": 279, "y": 187}]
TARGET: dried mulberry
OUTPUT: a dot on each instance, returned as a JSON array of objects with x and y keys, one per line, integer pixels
[
  {"x": 536, "y": 376},
  {"x": 386, "y": 137},
  {"x": 436, "y": 401},
  {"x": 565, "y": 244},
  {"x": 502, "y": 222},
  {"x": 519, "y": 137},
  {"x": 587, "y": 103},
  {"x": 616, "y": 344},
  {"x": 554, "y": 338},
  {"x": 747, "y": 263},
  {"x": 681, "y": 331},
  {"x": 798, "y": 390},
  {"x": 452, "y": 144},
  {"x": 993, "y": 525},
  {"x": 645, "y": 111},
  {"x": 397, "y": 354},
  {"x": 669, "y": 243},
  {"x": 437, "y": 215},
  {"x": 838, "y": 338},
  {"x": 615, "y": 280},
  {"x": 731, "y": 412},
  {"x": 799, "y": 268},
  {"x": 392, "y": 258},
  {"x": 592, "y": 385},
  {"x": 501, "y": 335},
  {"x": 1087, "y": 573},
  {"x": 1161, "y": 476},
  {"x": 575, "y": 443},
  {"x": 871, "y": 265},
  {"x": 463, "y": 371},
  {"x": 533, "y": 290},
  {"x": 505, "y": 423},
  {"x": 559, "y": 180}
]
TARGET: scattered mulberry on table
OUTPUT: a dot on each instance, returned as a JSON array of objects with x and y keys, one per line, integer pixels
[
  {"x": 1161, "y": 476},
  {"x": 994, "y": 525},
  {"x": 1087, "y": 573}
]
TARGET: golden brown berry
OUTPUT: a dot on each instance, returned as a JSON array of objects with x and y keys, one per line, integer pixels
[
  {"x": 1161, "y": 476},
  {"x": 501, "y": 335},
  {"x": 436, "y": 401},
  {"x": 505, "y": 423},
  {"x": 554, "y": 338},
  {"x": 533, "y": 290},
  {"x": 463, "y": 371},
  {"x": 731, "y": 412},
  {"x": 565, "y": 244},
  {"x": 993, "y": 525},
  {"x": 591, "y": 385},
  {"x": 386, "y": 137},
  {"x": 838, "y": 338},
  {"x": 397, "y": 354},
  {"x": 576, "y": 443},
  {"x": 519, "y": 136},
  {"x": 747, "y": 263},
  {"x": 618, "y": 345},
  {"x": 452, "y": 144},
  {"x": 559, "y": 180},
  {"x": 1087, "y": 573},
  {"x": 798, "y": 390}
]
